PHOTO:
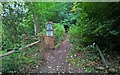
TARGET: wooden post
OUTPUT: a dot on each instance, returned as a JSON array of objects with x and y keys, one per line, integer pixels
[
  {"x": 23, "y": 40},
  {"x": 103, "y": 58},
  {"x": 41, "y": 44},
  {"x": 51, "y": 42}
]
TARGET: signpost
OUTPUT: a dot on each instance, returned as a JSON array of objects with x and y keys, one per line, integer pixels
[{"x": 49, "y": 39}]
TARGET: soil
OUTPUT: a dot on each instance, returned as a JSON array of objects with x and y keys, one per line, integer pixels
[{"x": 55, "y": 60}]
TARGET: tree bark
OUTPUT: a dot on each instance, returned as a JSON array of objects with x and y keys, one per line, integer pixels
[{"x": 36, "y": 24}]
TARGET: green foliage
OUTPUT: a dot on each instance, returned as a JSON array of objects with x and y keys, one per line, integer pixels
[
  {"x": 8, "y": 64},
  {"x": 96, "y": 22},
  {"x": 15, "y": 23},
  {"x": 21, "y": 61},
  {"x": 73, "y": 32},
  {"x": 57, "y": 45},
  {"x": 59, "y": 32},
  {"x": 20, "y": 18},
  {"x": 83, "y": 57},
  {"x": 90, "y": 69},
  {"x": 88, "y": 23},
  {"x": 48, "y": 11}
]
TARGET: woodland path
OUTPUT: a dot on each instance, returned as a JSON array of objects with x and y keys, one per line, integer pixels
[{"x": 55, "y": 60}]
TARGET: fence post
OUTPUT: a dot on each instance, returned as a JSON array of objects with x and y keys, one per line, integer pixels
[
  {"x": 23, "y": 40},
  {"x": 103, "y": 58},
  {"x": 41, "y": 44}
]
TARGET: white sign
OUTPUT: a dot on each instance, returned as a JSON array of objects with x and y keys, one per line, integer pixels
[
  {"x": 49, "y": 26},
  {"x": 49, "y": 33}
]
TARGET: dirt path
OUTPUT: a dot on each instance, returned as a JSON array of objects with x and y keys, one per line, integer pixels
[{"x": 55, "y": 60}]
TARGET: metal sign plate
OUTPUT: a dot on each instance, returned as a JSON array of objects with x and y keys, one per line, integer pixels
[
  {"x": 49, "y": 33},
  {"x": 49, "y": 26}
]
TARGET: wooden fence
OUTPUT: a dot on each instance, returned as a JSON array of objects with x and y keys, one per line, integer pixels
[{"x": 40, "y": 42}]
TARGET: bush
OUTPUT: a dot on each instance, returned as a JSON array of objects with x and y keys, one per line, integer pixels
[
  {"x": 77, "y": 36},
  {"x": 97, "y": 23},
  {"x": 20, "y": 62},
  {"x": 59, "y": 33},
  {"x": 73, "y": 34}
]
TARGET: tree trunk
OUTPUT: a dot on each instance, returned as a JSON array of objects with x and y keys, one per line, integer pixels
[{"x": 36, "y": 24}]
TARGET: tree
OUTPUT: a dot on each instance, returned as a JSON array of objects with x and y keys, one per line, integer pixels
[{"x": 98, "y": 23}]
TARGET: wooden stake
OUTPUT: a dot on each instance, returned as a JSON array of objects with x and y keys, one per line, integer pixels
[
  {"x": 52, "y": 43},
  {"x": 41, "y": 44},
  {"x": 104, "y": 61}
]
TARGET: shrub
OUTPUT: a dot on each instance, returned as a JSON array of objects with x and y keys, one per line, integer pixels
[
  {"x": 95, "y": 24},
  {"x": 59, "y": 32},
  {"x": 20, "y": 62}
]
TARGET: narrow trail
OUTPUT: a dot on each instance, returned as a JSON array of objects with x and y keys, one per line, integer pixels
[{"x": 55, "y": 60}]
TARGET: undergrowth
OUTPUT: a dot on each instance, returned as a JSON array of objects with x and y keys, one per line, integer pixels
[
  {"x": 84, "y": 57},
  {"x": 21, "y": 61}
]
